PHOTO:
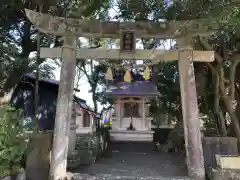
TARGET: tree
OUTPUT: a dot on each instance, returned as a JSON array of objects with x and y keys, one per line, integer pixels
[
  {"x": 95, "y": 76},
  {"x": 18, "y": 40},
  {"x": 224, "y": 72},
  {"x": 225, "y": 12}
]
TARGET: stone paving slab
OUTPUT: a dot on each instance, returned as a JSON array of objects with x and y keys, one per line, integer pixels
[
  {"x": 110, "y": 177},
  {"x": 138, "y": 165},
  {"x": 134, "y": 162}
]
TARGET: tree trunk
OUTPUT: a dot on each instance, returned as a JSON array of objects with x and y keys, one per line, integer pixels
[
  {"x": 229, "y": 106},
  {"x": 228, "y": 100},
  {"x": 178, "y": 115},
  {"x": 237, "y": 98},
  {"x": 219, "y": 113},
  {"x": 237, "y": 91},
  {"x": 234, "y": 119},
  {"x": 94, "y": 98},
  {"x": 222, "y": 124}
]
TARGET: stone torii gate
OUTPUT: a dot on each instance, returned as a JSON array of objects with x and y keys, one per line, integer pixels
[{"x": 71, "y": 29}]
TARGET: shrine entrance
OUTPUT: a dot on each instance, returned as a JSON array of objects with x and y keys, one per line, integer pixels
[{"x": 71, "y": 29}]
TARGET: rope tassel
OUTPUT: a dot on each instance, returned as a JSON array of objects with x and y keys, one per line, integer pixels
[
  {"x": 127, "y": 77},
  {"x": 146, "y": 74},
  {"x": 109, "y": 74}
]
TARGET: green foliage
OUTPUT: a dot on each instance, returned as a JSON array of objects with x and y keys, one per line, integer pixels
[
  {"x": 188, "y": 9},
  {"x": 90, "y": 8},
  {"x": 17, "y": 41},
  {"x": 12, "y": 144},
  {"x": 167, "y": 82}
]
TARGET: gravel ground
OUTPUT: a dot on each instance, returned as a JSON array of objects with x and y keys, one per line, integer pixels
[{"x": 120, "y": 163}]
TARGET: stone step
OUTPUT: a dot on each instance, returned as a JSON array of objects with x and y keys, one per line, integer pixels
[
  {"x": 142, "y": 147},
  {"x": 77, "y": 176},
  {"x": 84, "y": 141},
  {"x": 80, "y": 157}
]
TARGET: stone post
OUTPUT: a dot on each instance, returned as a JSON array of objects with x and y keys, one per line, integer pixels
[
  {"x": 191, "y": 121},
  {"x": 143, "y": 114},
  {"x": 119, "y": 112},
  {"x": 63, "y": 110},
  {"x": 72, "y": 134}
]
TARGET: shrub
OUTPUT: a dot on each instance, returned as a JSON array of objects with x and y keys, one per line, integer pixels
[{"x": 12, "y": 143}]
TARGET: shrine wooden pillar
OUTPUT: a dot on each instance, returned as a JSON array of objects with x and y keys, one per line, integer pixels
[
  {"x": 119, "y": 111},
  {"x": 191, "y": 120},
  {"x": 143, "y": 114},
  {"x": 63, "y": 110}
]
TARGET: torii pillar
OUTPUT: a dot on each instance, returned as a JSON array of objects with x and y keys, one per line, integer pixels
[
  {"x": 191, "y": 121},
  {"x": 64, "y": 110}
]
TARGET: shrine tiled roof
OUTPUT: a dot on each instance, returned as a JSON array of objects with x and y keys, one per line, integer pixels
[
  {"x": 80, "y": 103},
  {"x": 54, "y": 83},
  {"x": 32, "y": 76},
  {"x": 23, "y": 98},
  {"x": 138, "y": 88}
]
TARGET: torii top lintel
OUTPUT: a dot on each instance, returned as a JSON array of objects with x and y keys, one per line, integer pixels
[{"x": 111, "y": 29}]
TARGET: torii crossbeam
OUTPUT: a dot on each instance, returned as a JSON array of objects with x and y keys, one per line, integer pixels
[
  {"x": 111, "y": 29},
  {"x": 115, "y": 54},
  {"x": 71, "y": 29}
]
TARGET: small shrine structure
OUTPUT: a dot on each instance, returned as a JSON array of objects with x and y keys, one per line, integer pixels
[
  {"x": 82, "y": 119},
  {"x": 131, "y": 120},
  {"x": 85, "y": 118}
]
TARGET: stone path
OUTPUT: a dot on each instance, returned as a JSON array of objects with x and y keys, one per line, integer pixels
[{"x": 120, "y": 163}]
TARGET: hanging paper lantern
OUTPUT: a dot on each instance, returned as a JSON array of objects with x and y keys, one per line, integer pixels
[
  {"x": 109, "y": 74},
  {"x": 146, "y": 74},
  {"x": 127, "y": 76}
]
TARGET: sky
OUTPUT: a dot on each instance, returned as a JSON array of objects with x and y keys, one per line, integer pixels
[{"x": 84, "y": 87}]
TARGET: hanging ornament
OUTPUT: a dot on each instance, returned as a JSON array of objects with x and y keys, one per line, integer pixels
[
  {"x": 127, "y": 76},
  {"x": 146, "y": 74},
  {"x": 109, "y": 74}
]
